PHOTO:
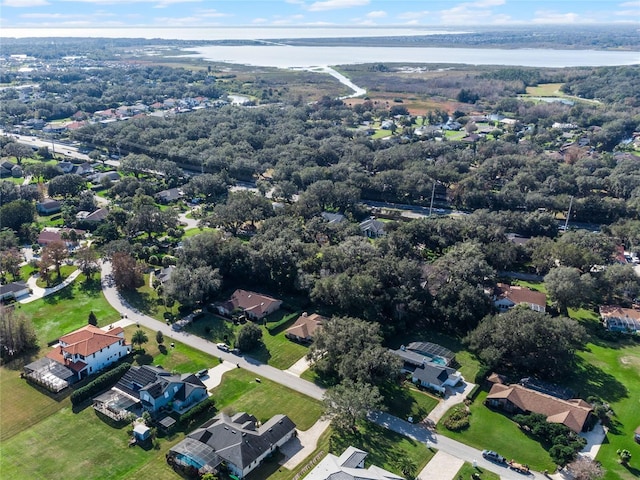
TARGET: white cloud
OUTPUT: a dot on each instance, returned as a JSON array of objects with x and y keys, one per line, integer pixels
[
  {"x": 413, "y": 15},
  {"x": 552, "y": 17},
  {"x": 630, "y": 4},
  {"x": 627, "y": 13},
  {"x": 259, "y": 21},
  {"x": 24, "y": 3},
  {"x": 376, "y": 14},
  {"x": 336, "y": 4},
  {"x": 473, "y": 13}
]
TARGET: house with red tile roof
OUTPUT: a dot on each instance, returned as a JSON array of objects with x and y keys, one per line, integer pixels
[
  {"x": 305, "y": 327},
  {"x": 89, "y": 350},
  {"x": 572, "y": 413},
  {"x": 254, "y": 305},
  {"x": 508, "y": 296}
]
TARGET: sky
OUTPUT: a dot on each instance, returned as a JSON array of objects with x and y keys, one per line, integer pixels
[{"x": 196, "y": 13}]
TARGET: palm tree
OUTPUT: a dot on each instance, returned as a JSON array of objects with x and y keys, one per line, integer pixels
[
  {"x": 406, "y": 466},
  {"x": 139, "y": 337}
]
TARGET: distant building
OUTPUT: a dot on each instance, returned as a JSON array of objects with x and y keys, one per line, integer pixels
[
  {"x": 13, "y": 290},
  {"x": 170, "y": 195},
  {"x": 506, "y": 297},
  {"x": 618, "y": 319},
  {"x": 48, "y": 206},
  {"x": 372, "y": 228}
]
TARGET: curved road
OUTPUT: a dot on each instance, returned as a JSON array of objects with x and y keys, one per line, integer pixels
[
  {"x": 416, "y": 432},
  {"x": 248, "y": 363}
]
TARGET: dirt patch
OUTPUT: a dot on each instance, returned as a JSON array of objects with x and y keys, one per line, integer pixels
[{"x": 630, "y": 361}]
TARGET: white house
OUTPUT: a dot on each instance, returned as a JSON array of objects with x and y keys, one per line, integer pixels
[
  {"x": 428, "y": 371},
  {"x": 349, "y": 466},
  {"x": 508, "y": 296},
  {"x": 90, "y": 349}
]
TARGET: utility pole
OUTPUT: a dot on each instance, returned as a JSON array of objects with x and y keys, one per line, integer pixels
[
  {"x": 433, "y": 192},
  {"x": 566, "y": 221}
]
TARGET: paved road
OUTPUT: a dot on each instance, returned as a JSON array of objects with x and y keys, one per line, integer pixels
[
  {"x": 282, "y": 377},
  {"x": 447, "y": 445},
  {"x": 248, "y": 363}
]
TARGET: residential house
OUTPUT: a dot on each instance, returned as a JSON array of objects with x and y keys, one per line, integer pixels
[
  {"x": 89, "y": 350},
  {"x": 254, "y": 305},
  {"x": 305, "y": 327},
  {"x": 372, "y": 228},
  {"x": 95, "y": 217},
  {"x": 100, "y": 177},
  {"x": 48, "y": 206},
  {"x": 170, "y": 195},
  {"x": 237, "y": 441},
  {"x": 151, "y": 389},
  {"x": 164, "y": 274},
  {"x": 51, "y": 234},
  {"x": 66, "y": 167},
  {"x": 434, "y": 352},
  {"x": 618, "y": 319},
  {"x": 13, "y": 290},
  {"x": 17, "y": 172},
  {"x": 573, "y": 413},
  {"x": 332, "y": 217},
  {"x": 506, "y": 297},
  {"x": 427, "y": 373},
  {"x": 349, "y": 466}
]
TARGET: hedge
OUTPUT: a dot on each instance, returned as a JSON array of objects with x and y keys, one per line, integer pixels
[
  {"x": 190, "y": 416},
  {"x": 101, "y": 383}
]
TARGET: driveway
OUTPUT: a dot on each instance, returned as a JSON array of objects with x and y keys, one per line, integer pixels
[
  {"x": 303, "y": 444},
  {"x": 441, "y": 467},
  {"x": 456, "y": 397},
  {"x": 39, "y": 292}
]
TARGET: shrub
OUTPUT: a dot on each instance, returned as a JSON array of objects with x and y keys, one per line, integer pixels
[
  {"x": 102, "y": 382},
  {"x": 457, "y": 420},
  {"x": 192, "y": 415}
]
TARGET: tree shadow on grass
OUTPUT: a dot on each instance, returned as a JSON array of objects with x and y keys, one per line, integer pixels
[
  {"x": 589, "y": 380},
  {"x": 141, "y": 301},
  {"x": 143, "y": 358},
  {"x": 260, "y": 353},
  {"x": 270, "y": 466},
  {"x": 378, "y": 441},
  {"x": 65, "y": 294},
  {"x": 90, "y": 287},
  {"x": 399, "y": 401}
]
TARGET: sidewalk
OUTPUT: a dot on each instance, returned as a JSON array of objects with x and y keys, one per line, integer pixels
[{"x": 39, "y": 292}]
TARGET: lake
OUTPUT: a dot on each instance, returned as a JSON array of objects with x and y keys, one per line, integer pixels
[{"x": 285, "y": 56}]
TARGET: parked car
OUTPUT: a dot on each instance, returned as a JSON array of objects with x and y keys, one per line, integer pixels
[
  {"x": 235, "y": 351},
  {"x": 202, "y": 372},
  {"x": 493, "y": 456},
  {"x": 223, "y": 346}
]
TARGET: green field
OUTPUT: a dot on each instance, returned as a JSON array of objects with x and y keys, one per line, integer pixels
[
  {"x": 546, "y": 90},
  {"x": 68, "y": 310},
  {"x": 407, "y": 401},
  {"x": 467, "y": 470},
  {"x": 65, "y": 271}
]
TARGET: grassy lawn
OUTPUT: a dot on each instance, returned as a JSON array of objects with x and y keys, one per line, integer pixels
[
  {"x": 467, "y": 470},
  {"x": 72, "y": 446},
  {"x": 192, "y": 232},
  {"x": 182, "y": 358},
  {"x": 455, "y": 135},
  {"x": 68, "y": 310},
  {"x": 277, "y": 351},
  {"x": 537, "y": 286},
  {"x": 379, "y": 133},
  {"x": 493, "y": 430},
  {"x": 240, "y": 392},
  {"x": 407, "y": 401},
  {"x": 65, "y": 271},
  {"x": 22, "y": 404},
  {"x": 146, "y": 300},
  {"x": 546, "y": 90}
]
